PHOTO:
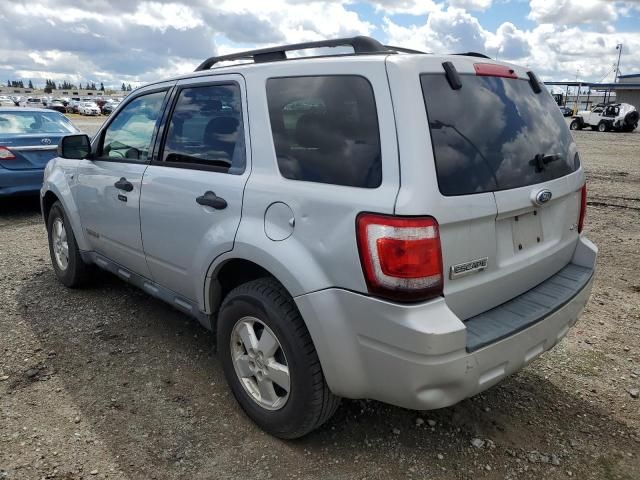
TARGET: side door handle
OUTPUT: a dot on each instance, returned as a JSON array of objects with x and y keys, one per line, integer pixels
[
  {"x": 210, "y": 199},
  {"x": 123, "y": 184}
]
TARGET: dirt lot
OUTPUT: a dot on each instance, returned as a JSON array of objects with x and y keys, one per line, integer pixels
[{"x": 107, "y": 382}]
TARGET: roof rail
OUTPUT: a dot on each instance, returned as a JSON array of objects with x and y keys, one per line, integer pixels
[
  {"x": 402, "y": 49},
  {"x": 360, "y": 44}
]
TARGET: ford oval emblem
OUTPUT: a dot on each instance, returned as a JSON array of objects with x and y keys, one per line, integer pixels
[
  {"x": 542, "y": 197},
  {"x": 46, "y": 141}
]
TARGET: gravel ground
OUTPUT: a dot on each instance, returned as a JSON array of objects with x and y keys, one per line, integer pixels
[{"x": 106, "y": 382}]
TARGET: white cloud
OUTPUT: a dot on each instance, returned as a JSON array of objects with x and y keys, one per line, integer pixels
[
  {"x": 572, "y": 12},
  {"x": 471, "y": 4},
  {"x": 450, "y": 30},
  {"x": 411, "y": 7}
]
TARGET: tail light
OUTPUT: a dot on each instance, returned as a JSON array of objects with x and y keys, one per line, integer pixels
[
  {"x": 6, "y": 154},
  {"x": 401, "y": 256},
  {"x": 583, "y": 207}
]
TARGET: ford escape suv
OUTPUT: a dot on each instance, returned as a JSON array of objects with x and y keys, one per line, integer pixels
[{"x": 382, "y": 224}]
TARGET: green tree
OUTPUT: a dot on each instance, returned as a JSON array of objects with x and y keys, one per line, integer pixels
[
  {"x": 129, "y": 88},
  {"x": 124, "y": 87},
  {"x": 101, "y": 87},
  {"x": 30, "y": 84}
]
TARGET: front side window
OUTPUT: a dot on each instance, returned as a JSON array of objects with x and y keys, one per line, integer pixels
[
  {"x": 325, "y": 129},
  {"x": 129, "y": 136},
  {"x": 206, "y": 129}
]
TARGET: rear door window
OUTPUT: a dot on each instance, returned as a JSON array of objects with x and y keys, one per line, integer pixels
[
  {"x": 494, "y": 134},
  {"x": 325, "y": 129},
  {"x": 206, "y": 129}
]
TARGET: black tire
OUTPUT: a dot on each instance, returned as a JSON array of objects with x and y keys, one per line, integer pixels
[
  {"x": 310, "y": 403},
  {"x": 603, "y": 127},
  {"x": 76, "y": 272},
  {"x": 575, "y": 124}
]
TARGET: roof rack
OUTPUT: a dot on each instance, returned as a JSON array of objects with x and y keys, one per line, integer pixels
[
  {"x": 402, "y": 49},
  {"x": 360, "y": 44}
]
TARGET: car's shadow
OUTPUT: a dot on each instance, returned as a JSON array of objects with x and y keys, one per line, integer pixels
[
  {"x": 146, "y": 378},
  {"x": 17, "y": 207}
]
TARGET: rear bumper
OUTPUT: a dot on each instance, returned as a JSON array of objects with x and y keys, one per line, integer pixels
[
  {"x": 419, "y": 356},
  {"x": 17, "y": 182}
]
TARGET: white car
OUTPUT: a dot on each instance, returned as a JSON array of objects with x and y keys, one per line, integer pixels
[
  {"x": 88, "y": 108},
  {"x": 621, "y": 117}
]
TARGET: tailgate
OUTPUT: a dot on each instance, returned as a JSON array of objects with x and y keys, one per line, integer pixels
[{"x": 505, "y": 177}]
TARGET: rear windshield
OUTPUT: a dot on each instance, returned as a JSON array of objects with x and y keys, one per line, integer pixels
[
  {"x": 494, "y": 134},
  {"x": 34, "y": 122}
]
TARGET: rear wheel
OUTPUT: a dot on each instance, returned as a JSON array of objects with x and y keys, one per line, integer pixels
[
  {"x": 65, "y": 255},
  {"x": 603, "y": 127},
  {"x": 270, "y": 362},
  {"x": 575, "y": 124}
]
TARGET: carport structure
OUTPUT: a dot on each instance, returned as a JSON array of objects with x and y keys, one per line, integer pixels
[{"x": 626, "y": 90}]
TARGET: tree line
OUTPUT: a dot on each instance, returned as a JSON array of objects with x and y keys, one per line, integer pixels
[{"x": 52, "y": 85}]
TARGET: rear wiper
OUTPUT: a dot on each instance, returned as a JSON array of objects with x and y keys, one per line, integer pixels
[{"x": 541, "y": 160}]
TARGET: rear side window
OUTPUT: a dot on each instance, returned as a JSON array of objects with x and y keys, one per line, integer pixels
[
  {"x": 206, "y": 129},
  {"x": 494, "y": 134},
  {"x": 325, "y": 129}
]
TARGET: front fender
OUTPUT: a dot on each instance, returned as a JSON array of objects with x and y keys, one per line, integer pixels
[{"x": 58, "y": 178}]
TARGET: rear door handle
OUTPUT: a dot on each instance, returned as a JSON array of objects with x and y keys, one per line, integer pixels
[
  {"x": 123, "y": 184},
  {"x": 210, "y": 199}
]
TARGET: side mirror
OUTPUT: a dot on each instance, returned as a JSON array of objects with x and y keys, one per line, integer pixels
[{"x": 75, "y": 147}]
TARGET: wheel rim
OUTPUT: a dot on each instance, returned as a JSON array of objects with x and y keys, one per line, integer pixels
[
  {"x": 60, "y": 244},
  {"x": 601, "y": 127},
  {"x": 260, "y": 363}
]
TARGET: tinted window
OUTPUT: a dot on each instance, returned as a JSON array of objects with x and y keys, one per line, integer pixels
[
  {"x": 206, "y": 129},
  {"x": 325, "y": 129},
  {"x": 129, "y": 135},
  {"x": 494, "y": 134}
]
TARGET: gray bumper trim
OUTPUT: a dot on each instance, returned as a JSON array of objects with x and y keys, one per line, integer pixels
[{"x": 526, "y": 309}]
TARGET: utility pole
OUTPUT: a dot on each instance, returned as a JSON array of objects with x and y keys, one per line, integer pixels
[{"x": 619, "y": 48}]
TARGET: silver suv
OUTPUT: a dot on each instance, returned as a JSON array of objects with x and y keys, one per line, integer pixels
[{"x": 383, "y": 224}]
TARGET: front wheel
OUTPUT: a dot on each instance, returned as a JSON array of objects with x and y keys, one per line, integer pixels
[
  {"x": 603, "y": 127},
  {"x": 65, "y": 255},
  {"x": 575, "y": 125},
  {"x": 270, "y": 362}
]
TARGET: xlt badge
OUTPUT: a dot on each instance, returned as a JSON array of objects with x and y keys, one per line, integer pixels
[{"x": 467, "y": 268}]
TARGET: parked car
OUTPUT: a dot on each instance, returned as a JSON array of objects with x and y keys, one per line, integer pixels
[
  {"x": 34, "y": 102},
  {"x": 28, "y": 140},
  {"x": 566, "y": 111},
  {"x": 621, "y": 117},
  {"x": 58, "y": 106},
  {"x": 7, "y": 102},
  {"x": 109, "y": 107},
  {"x": 281, "y": 222},
  {"x": 73, "y": 106},
  {"x": 88, "y": 108}
]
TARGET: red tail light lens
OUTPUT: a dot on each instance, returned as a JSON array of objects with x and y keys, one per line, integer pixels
[
  {"x": 401, "y": 257},
  {"x": 6, "y": 154},
  {"x": 583, "y": 207}
]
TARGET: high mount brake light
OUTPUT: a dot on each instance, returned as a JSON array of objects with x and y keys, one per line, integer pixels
[
  {"x": 401, "y": 256},
  {"x": 6, "y": 154},
  {"x": 583, "y": 207},
  {"x": 493, "y": 70}
]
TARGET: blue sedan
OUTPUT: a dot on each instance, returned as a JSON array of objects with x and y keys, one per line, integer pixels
[{"x": 28, "y": 140}]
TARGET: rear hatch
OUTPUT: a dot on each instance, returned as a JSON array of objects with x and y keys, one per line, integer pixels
[{"x": 506, "y": 179}]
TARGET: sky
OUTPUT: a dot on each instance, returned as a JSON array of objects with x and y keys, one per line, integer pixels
[{"x": 139, "y": 41}]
